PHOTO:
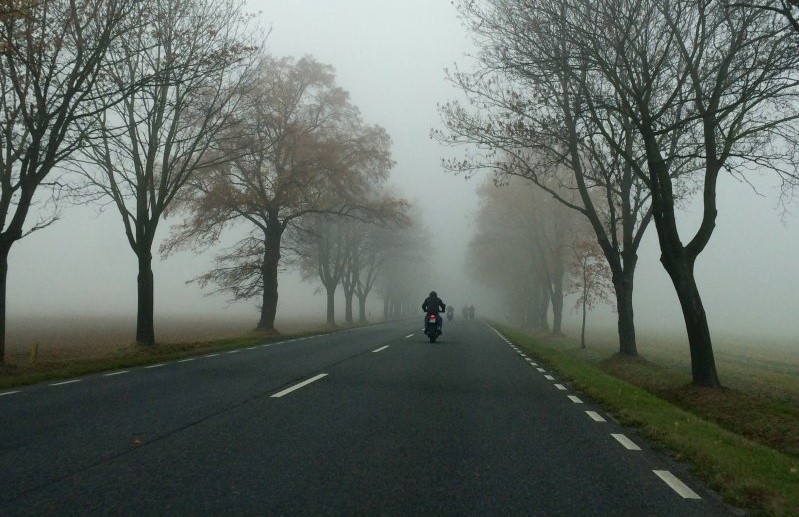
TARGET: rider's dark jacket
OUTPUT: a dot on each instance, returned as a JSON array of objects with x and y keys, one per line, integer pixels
[{"x": 433, "y": 304}]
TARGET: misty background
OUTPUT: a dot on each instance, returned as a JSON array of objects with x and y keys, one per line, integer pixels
[{"x": 391, "y": 55}]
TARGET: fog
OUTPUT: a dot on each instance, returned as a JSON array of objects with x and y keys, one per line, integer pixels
[{"x": 390, "y": 55}]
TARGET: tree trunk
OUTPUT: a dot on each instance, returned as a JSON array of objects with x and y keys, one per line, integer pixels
[
  {"x": 269, "y": 268},
  {"x": 623, "y": 286},
  {"x": 543, "y": 309},
  {"x": 703, "y": 364},
  {"x": 348, "y": 306},
  {"x": 362, "y": 309},
  {"x": 331, "y": 304},
  {"x": 582, "y": 331},
  {"x": 145, "y": 326},
  {"x": 5, "y": 248},
  {"x": 557, "y": 303}
]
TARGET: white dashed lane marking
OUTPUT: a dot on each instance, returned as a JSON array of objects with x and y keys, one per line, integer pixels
[
  {"x": 298, "y": 386},
  {"x": 549, "y": 377},
  {"x": 8, "y": 393},
  {"x": 159, "y": 365},
  {"x": 626, "y": 442},
  {"x": 574, "y": 399},
  {"x": 112, "y": 374},
  {"x": 561, "y": 387},
  {"x": 409, "y": 335},
  {"x": 596, "y": 417},
  {"x": 676, "y": 485},
  {"x": 65, "y": 382},
  {"x": 380, "y": 349}
]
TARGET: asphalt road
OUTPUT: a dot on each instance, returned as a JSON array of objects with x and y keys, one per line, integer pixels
[{"x": 373, "y": 421}]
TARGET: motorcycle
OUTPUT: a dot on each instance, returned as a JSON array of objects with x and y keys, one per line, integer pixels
[
  {"x": 431, "y": 327},
  {"x": 450, "y": 314}
]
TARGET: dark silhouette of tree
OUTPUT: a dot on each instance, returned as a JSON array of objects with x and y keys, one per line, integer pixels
[
  {"x": 53, "y": 56},
  {"x": 187, "y": 57}
]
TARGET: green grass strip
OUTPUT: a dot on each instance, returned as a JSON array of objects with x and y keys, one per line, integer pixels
[{"x": 746, "y": 474}]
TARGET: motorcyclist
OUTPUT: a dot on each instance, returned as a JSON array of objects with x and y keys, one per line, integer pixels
[
  {"x": 450, "y": 312},
  {"x": 434, "y": 304}
]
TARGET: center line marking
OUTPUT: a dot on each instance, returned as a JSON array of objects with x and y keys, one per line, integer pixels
[
  {"x": 298, "y": 386},
  {"x": 116, "y": 373},
  {"x": 380, "y": 349},
  {"x": 676, "y": 485},
  {"x": 8, "y": 393},
  {"x": 628, "y": 444},
  {"x": 409, "y": 335}
]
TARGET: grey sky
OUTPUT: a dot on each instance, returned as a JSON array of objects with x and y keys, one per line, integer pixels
[{"x": 390, "y": 55}]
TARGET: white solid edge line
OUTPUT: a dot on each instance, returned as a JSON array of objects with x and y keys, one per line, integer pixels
[
  {"x": 561, "y": 387},
  {"x": 8, "y": 393},
  {"x": 676, "y": 485},
  {"x": 65, "y": 382},
  {"x": 116, "y": 373},
  {"x": 380, "y": 349},
  {"x": 298, "y": 386},
  {"x": 626, "y": 442},
  {"x": 596, "y": 417},
  {"x": 575, "y": 399}
]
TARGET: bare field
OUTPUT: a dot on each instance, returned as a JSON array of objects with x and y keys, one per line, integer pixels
[{"x": 74, "y": 337}]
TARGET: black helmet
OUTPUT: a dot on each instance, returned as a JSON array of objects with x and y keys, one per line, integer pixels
[{"x": 433, "y": 294}]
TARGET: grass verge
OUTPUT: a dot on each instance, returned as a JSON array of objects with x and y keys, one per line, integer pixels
[
  {"x": 747, "y": 474},
  {"x": 12, "y": 375}
]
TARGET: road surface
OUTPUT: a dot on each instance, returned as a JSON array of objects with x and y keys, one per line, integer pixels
[{"x": 373, "y": 421}]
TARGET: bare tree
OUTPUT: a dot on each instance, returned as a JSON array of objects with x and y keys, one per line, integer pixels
[
  {"x": 188, "y": 57},
  {"x": 346, "y": 250},
  {"x": 521, "y": 247},
  {"x": 720, "y": 85},
  {"x": 526, "y": 116},
  {"x": 674, "y": 91},
  {"x": 405, "y": 272},
  {"x": 324, "y": 255},
  {"x": 303, "y": 150},
  {"x": 53, "y": 56},
  {"x": 789, "y": 9},
  {"x": 590, "y": 279},
  {"x": 378, "y": 245}
]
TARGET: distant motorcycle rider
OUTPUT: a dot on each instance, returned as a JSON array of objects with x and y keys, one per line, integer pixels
[{"x": 434, "y": 304}]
